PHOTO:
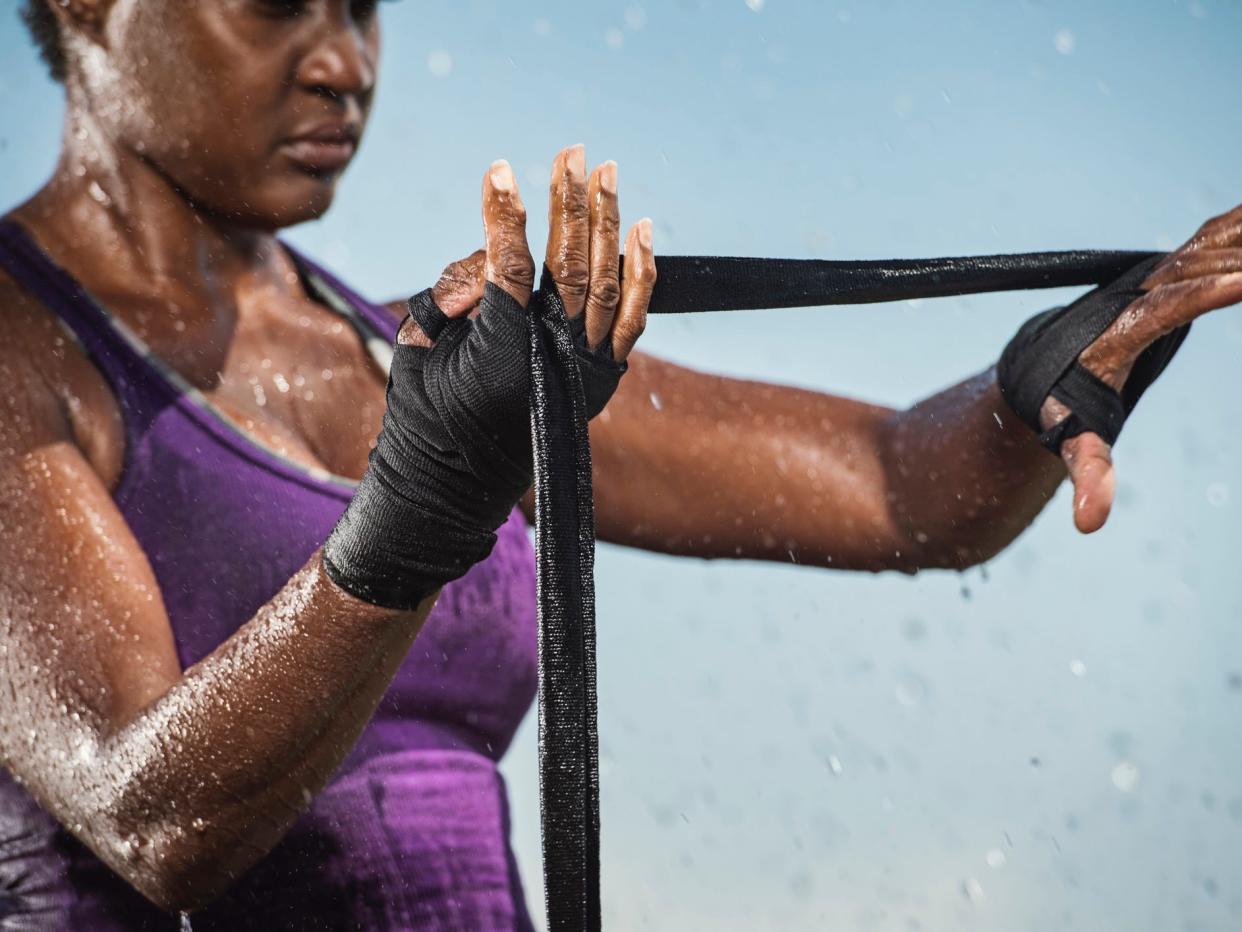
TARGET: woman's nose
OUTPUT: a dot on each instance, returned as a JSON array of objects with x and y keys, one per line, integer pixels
[{"x": 342, "y": 61}]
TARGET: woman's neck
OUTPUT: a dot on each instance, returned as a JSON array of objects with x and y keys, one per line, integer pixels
[{"x": 126, "y": 228}]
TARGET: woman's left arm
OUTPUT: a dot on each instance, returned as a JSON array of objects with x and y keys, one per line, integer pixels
[{"x": 701, "y": 465}]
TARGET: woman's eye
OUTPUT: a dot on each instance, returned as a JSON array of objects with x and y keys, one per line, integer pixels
[
  {"x": 362, "y": 10},
  {"x": 283, "y": 7}
]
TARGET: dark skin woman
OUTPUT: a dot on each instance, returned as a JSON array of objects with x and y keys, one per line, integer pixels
[{"x": 193, "y": 133}]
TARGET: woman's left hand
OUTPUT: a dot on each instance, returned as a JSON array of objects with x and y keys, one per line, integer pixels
[
  {"x": 583, "y": 257},
  {"x": 1203, "y": 275}
]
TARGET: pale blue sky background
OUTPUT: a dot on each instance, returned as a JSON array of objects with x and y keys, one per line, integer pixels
[{"x": 790, "y": 748}]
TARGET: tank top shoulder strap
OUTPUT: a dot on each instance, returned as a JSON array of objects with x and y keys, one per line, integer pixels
[
  {"x": 379, "y": 321},
  {"x": 121, "y": 360}
]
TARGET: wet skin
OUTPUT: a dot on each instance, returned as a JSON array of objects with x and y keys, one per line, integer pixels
[{"x": 185, "y": 150}]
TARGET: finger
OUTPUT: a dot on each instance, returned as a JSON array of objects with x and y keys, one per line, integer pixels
[
  {"x": 1183, "y": 266},
  {"x": 1218, "y": 233},
  {"x": 636, "y": 288},
  {"x": 456, "y": 294},
  {"x": 1155, "y": 314},
  {"x": 460, "y": 287},
  {"x": 569, "y": 229},
  {"x": 509, "y": 265},
  {"x": 1090, "y": 463},
  {"x": 604, "y": 288}
]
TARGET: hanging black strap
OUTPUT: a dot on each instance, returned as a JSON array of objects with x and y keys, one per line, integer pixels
[
  {"x": 565, "y": 521},
  {"x": 565, "y": 546}
]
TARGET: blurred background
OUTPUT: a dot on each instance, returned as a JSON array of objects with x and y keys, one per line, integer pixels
[{"x": 1054, "y": 743}]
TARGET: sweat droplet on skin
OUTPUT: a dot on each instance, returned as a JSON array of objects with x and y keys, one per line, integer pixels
[{"x": 99, "y": 195}]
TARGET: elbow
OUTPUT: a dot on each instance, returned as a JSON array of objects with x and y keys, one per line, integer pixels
[
  {"x": 177, "y": 874},
  {"x": 174, "y": 865},
  {"x": 957, "y": 555}
]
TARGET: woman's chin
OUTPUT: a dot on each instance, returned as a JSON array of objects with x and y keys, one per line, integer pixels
[{"x": 292, "y": 201}]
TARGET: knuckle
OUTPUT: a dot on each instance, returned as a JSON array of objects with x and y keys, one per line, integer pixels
[
  {"x": 609, "y": 223},
  {"x": 572, "y": 269},
  {"x": 605, "y": 292},
  {"x": 629, "y": 330},
  {"x": 518, "y": 267}
]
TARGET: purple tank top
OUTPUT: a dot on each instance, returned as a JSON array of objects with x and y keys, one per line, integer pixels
[{"x": 412, "y": 831}]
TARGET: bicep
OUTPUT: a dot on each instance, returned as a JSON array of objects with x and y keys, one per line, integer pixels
[
  {"x": 698, "y": 464},
  {"x": 84, "y": 639}
]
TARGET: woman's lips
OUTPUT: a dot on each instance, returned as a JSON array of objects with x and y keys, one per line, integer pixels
[{"x": 321, "y": 156}]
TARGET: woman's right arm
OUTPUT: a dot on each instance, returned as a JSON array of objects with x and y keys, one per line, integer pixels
[{"x": 178, "y": 781}]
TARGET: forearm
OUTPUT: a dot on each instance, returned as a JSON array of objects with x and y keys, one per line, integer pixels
[
  {"x": 695, "y": 464},
  {"x": 964, "y": 475},
  {"x": 207, "y": 779}
]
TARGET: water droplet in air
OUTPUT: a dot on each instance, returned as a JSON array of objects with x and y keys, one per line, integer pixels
[
  {"x": 1126, "y": 776},
  {"x": 911, "y": 690},
  {"x": 440, "y": 63}
]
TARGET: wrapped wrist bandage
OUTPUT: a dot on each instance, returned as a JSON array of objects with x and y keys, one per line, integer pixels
[
  {"x": 1042, "y": 360},
  {"x": 454, "y": 455}
]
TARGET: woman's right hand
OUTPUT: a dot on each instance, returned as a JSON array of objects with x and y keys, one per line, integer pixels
[{"x": 454, "y": 455}]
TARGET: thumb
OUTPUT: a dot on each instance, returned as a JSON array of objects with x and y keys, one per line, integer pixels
[
  {"x": 509, "y": 265},
  {"x": 460, "y": 287},
  {"x": 456, "y": 294},
  {"x": 1090, "y": 463}
]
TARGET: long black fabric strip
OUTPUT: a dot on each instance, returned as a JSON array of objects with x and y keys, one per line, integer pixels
[
  {"x": 565, "y": 547},
  {"x": 565, "y": 520},
  {"x": 691, "y": 284}
]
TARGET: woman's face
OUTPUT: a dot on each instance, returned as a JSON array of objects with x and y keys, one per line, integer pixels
[{"x": 251, "y": 108}]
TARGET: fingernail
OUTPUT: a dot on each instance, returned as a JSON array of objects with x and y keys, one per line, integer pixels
[
  {"x": 576, "y": 162},
  {"x": 608, "y": 177},
  {"x": 502, "y": 176},
  {"x": 644, "y": 232}
]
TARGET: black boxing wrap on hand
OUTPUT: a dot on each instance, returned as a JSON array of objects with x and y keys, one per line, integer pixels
[
  {"x": 601, "y": 374},
  {"x": 451, "y": 461},
  {"x": 1042, "y": 360},
  {"x": 454, "y": 455}
]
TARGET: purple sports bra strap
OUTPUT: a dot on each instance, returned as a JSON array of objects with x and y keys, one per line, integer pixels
[
  {"x": 36, "y": 273},
  {"x": 379, "y": 319}
]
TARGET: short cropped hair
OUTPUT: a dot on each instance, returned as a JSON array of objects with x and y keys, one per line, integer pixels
[{"x": 45, "y": 31}]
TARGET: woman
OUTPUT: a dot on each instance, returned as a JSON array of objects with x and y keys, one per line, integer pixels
[{"x": 205, "y": 714}]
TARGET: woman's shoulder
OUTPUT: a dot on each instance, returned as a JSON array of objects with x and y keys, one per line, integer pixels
[{"x": 50, "y": 388}]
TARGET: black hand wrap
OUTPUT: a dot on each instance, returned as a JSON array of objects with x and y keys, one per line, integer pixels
[
  {"x": 1042, "y": 360},
  {"x": 601, "y": 374},
  {"x": 454, "y": 455}
]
